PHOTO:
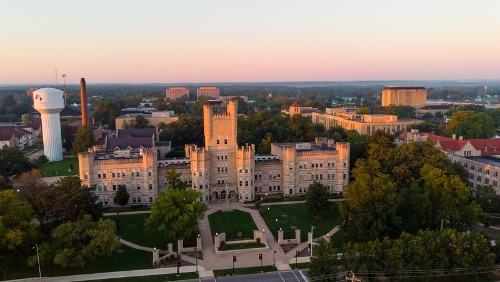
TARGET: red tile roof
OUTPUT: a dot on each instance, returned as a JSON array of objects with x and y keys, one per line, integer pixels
[
  {"x": 487, "y": 146},
  {"x": 295, "y": 105}
]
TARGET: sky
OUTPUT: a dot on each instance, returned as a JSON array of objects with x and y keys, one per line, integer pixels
[{"x": 190, "y": 41}]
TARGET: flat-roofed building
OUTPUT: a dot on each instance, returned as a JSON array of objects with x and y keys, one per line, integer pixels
[
  {"x": 210, "y": 92},
  {"x": 174, "y": 93},
  {"x": 404, "y": 96},
  {"x": 154, "y": 118},
  {"x": 364, "y": 124}
]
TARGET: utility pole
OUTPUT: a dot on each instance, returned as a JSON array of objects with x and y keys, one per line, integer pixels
[{"x": 38, "y": 257}]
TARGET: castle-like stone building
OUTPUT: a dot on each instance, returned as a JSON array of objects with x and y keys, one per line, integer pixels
[{"x": 221, "y": 170}]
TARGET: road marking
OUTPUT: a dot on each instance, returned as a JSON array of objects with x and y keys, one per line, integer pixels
[
  {"x": 281, "y": 276},
  {"x": 293, "y": 272},
  {"x": 303, "y": 276}
]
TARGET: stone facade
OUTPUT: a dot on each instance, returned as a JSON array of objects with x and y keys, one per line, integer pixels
[
  {"x": 138, "y": 173},
  {"x": 222, "y": 170}
]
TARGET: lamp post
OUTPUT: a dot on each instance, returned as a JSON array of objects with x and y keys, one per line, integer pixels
[
  {"x": 38, "y": 257},
  {"x": 312, "y": 239},
  {"x": 277, "y": 230}
]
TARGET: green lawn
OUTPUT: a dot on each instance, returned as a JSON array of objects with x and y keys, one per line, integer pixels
[
  {"x": 232, "y": 223},
  {"x": 242, "y": 271},
  {"x": 230, "y": 247},
  {"x": 31, "y": 149},
  {"x": 131, "y": 228},
  {"x": 157, "y": 278},
  {"x": 60, "y": 168},
  {"x": 296, "y": 216},
  {"x": 129, "y": 259}
]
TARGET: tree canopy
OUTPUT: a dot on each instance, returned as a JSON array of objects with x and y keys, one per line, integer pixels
[
  {"x": 84, "y": 139},
  {"x": 122, "y": 196},
  {"x": 317, "y": 198},
  {"x": 471, "y": 125},
  {"x": 16, "y": 227},
  {"x": 66, "y": 200},
  {"x": 12, "y": 162},
  {"x": 175, "y": 213},
  {"x": 404, "y": 189},
  {"x": 73, "y": 244},
  {"x": 426, "y": 250}
]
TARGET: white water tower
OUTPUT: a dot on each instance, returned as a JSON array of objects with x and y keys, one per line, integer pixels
[{"x": 49, "y": 102}]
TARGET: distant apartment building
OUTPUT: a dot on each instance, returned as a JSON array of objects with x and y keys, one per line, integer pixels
[
  {"x": 404, "y": 96},
  {"x": 209, "y": 92},
  {"x": 174, "y": 93},
  {"x": 221, "y": 170},
  {"x": 480, "y": 157},
  {"x": 15, "y": 137},
  {"x": 295, "y": 109},
  {"x": 364, "y": 124}
]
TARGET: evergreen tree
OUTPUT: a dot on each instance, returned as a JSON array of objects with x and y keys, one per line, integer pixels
[{"x": 84, "y": 139}]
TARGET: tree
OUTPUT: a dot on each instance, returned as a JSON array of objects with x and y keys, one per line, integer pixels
[
  {"x": 12, "y": 162},
  {"x": 141, "y": 122},
  {"x": 122, "y": 195},
  {"x": 16, "y": 227},
  {"x": 30, "y": 180},
  {"x": 317, "y": 198},
  {"x": 174, "y": 181},
  {"x": 488, "y": 199},
  {"x": 408, "y": 188},
  {"x": 325, "y": 261},
  {"x": 426, "y": 250},
  {"x": 337, "y": 133},
  {"x": 175, "y": 213},
  {"x": 105, "y": 113},
  {"x": 471, "y": 125},
  {"x": 66, "y": 200},
  {"x": 84, "y": 139},
  {"x": 73, "y": 244},
  {"x": 265, "y": 144},
  {"x": 186, "y": 130}
]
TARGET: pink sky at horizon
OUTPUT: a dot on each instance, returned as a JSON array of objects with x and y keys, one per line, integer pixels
[{"x": 238, "y": 41}]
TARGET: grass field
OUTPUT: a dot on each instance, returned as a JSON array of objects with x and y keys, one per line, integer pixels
[
  {"x": 131, "y": 228},
  {"x": 232, "y": 223},
  {"x": 241, "y": 271},
  {"x": 129, "y": 259},
  {"x": 157, "y": 278},
  {"x": 60, "y": 168},
  {"x": 296, "y": 216}
]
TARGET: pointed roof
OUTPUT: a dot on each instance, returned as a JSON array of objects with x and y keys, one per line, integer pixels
[{"x": 295, "y": 105}]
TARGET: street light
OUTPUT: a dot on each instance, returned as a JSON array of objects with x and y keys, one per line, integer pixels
[
  {"x": 312, "y": 239},
  {"x": 38, "y": 257}
]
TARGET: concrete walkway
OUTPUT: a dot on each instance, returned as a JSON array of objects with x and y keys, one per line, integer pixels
[
  {"x": 211, "y": 260},
  {"x": 117, "y": 274},
  {"x": 137, "y": 247}
]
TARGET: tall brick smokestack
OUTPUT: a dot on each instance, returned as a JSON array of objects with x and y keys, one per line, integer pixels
[{"x": 83, "y": 101}]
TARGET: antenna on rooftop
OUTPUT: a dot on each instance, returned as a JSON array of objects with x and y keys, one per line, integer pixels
[
  {"x": 64, "y": 80},
  {"x": 57, "y": 79}
]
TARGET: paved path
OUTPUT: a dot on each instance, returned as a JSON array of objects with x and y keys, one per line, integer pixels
[
  {"x": 137, "y": 247},
  {"x": 116, "y": 274}
]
